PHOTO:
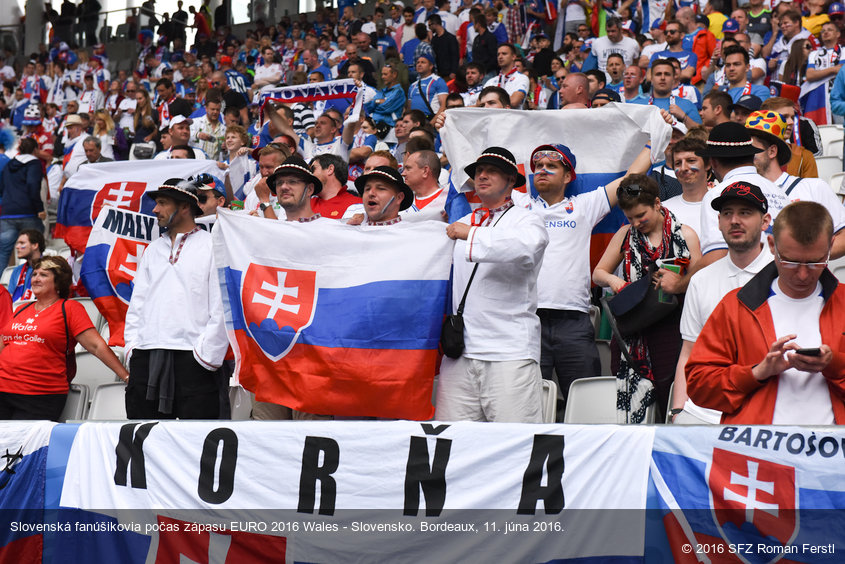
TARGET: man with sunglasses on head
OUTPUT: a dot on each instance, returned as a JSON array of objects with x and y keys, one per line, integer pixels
[
  {"x": 568, "y": 346},
  {"x": 770, "y": 351}
]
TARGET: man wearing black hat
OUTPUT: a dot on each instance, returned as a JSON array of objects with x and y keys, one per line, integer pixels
[
  {"x": 770, "y": 351},
  {"x": 742, "y": 108},
  {"x": 774, "y": 155},
  {"x": 743, "y": 218},
  {"x": 175, "y": 333},
  {"x": 731, "y": 153},
  {"x": 385, "y": 194},
  {"x": 294, "y": 185},
  {"x": 497, "y": 378}
]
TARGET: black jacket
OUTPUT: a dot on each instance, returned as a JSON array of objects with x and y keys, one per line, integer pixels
[{"x": 20, "y": 186}]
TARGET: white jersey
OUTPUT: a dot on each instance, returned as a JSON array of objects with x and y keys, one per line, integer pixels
[
  {"x": 706, "y": 289},
  {"x": 813, "y": 190},
  {"x": 603, "y": 47},
  {"x": 512, "y": 82},
  {"x": 564, "y": 279},
  {"x": 688, "y": 213},
  {"x": 310, "y": 149}
]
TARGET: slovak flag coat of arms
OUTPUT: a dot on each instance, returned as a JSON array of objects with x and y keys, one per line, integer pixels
[
  {"x": 752, "y": 494},
  {"x": 754, "y": 501},
  {"x": 278, "y": 303},
  {"x": 335, "y": 319},
  {"x": 115, "y": 246}
]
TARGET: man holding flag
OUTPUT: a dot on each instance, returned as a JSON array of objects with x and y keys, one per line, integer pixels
[
  {"x": 175, "y": 334},
  {"x": 568, "y": 346},
  {"x": 497, "y": 377}
]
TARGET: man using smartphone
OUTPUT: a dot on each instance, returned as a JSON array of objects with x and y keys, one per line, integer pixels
[{"x": 748, "y": 363}]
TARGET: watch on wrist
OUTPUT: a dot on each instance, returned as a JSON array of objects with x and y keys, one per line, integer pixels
[{"x": 263, "y": 206}]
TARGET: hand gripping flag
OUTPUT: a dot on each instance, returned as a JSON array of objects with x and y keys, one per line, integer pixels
[
  {"x": 344, "y": 89},
  {"x": 334, "y": 319},
  {"x": 115, "y": 246},
  {"x": 119, "y": 184}
]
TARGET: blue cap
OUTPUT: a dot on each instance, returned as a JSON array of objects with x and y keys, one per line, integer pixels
[
  {"x": 425, "y": 55},
  {"x": 730, "y": 26},
  {"x": 568, "y": 157},
  {"x": 836, "y": 9}
]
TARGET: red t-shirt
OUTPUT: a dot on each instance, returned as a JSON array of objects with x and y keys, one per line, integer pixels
[
  {"x": 32, "y": 361},
  {"x": 334, "y": 208}
]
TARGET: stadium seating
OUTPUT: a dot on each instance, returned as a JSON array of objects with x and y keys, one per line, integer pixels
[
  {"x": 828, "y": 166},
  {"x": 593, "y": 400},
  {"x": 76, "y": 404},
  {"x": 7, "y": 275},
  {"x": 96, "y": 317},
  {"x": 828, "y": 134},
  {"x": 90, "y": 371},
  {"x": 834, "y": 148},
  {"x": 108, "y": 402},
  {"x": 604, "y": 356},
  {"x": 549, "y": 401}
]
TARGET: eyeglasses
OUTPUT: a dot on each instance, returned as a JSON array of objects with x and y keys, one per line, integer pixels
[
  {"x": 672, "y": 31},
  {"x": 792, "y": 265}
]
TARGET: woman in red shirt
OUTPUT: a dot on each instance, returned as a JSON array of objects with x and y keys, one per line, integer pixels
[{"x": 33, "y": 366}]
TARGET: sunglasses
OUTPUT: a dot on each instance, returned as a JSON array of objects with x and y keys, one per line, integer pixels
[
  {"x": 203, "y": 198},
  {"x": 792, "y": 265},
  {"x": 632, "y": 190}
]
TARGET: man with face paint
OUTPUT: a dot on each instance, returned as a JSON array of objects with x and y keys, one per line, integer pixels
[
  {"x": 567, "y": 340},
  {"x": 175, "y": 333},
  {"x": 385, "y": 194}
]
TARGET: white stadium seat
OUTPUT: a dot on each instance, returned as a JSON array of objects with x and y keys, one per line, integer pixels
[
  {"x": 549, "y": 401},
  {"x": 108, "y": 402},
  {"x": 593, "y": 400},
  {"x": 834, "y": 148},
  {"x": 828, "y": 134},
  {"x": 76, "y": 404},
  {"x": 90, "y": 371},
  {"x": 828, "y": 166}
]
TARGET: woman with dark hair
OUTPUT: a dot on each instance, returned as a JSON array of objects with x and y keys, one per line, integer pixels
[
  {"x": 795, "y": 67},
  {"x": 37, "y": 343},
  {"x": 653, "y": 233}
]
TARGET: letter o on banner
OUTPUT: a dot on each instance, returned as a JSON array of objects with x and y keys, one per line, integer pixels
[{"x": 208, "y": 461}]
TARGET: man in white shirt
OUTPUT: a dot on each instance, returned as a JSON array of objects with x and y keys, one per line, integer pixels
[
  {"x": 614, "y": 42},
  {"x": 497, "y": 377},
  {"x": 691, "y": 171},
  {"x": 770, "y": 353},
  {"x": 175, "y": 332},
  {"x": 180, "y": 134},
  {"x": 208, "y": 132},
  {"x": 731, "y": 153},
  {"x": 421, "y": 171},
  {"x": 774, "y": 155},
  {"x": 742, "y": 221},
  {"x": 514, "y": 82},
  {"x": 568, "y": 347}
]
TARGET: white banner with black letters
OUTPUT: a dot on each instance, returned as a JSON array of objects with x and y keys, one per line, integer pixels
[{"x": 446, "y": 492}]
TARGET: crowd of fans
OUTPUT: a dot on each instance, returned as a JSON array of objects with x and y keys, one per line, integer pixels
[{"x": 704, "y": 65}]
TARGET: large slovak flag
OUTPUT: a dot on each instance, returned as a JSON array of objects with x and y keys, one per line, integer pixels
[
  {"x": 746, "y": 494},
  {"x": 115, "y": 246},
  {"x": 604, "y": 143},
  {"x": 117, "y": 184},
  {"x": 23, "y": 462},
  {"x": 335, "y": 319}
]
